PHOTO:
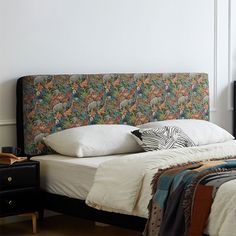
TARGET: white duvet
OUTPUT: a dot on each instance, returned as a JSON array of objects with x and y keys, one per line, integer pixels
[{"x": 122, "y": 185}]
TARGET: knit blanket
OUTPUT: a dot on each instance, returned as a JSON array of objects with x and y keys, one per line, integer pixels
[{"x": 182, "y": 197}]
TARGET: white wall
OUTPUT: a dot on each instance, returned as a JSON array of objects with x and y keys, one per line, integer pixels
[{"x": 88, "y": 36}]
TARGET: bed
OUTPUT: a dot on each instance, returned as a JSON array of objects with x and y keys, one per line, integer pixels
[{"x": 47, "y": 104}]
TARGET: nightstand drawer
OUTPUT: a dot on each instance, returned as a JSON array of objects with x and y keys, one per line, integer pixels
[
  {"x": 16, "y": 202},
  {"x": 18, "y": 177}
]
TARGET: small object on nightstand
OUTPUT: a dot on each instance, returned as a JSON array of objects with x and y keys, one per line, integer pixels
[
  {"x": 11, "y": 149},
  {"x": 19, "y": 189},
  {"x": 9, "y": 158}
]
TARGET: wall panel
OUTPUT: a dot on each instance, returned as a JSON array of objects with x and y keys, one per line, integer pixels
[{"x": 89, "y": 36}]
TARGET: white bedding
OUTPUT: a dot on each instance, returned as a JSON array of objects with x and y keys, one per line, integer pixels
[
  {"x": 122, "y": 185},
  {"x": 68, "y": 176},
  {"x": 221, "y": 221}
]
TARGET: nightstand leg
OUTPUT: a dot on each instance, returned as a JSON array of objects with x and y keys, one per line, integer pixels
[{"x": 34, "y": 222}]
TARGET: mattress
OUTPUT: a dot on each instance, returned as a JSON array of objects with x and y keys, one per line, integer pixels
[{"x": 69, "y": 176}]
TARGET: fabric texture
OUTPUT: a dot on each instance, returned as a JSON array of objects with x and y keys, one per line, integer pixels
[
  {"x": 201, "y": 209},
  {"x": 133, "y": 173},
  {"x": 221, "y": 221},
  {"x": 176, "y": 197},
  {"x": 68, "y": 176},
  {"x": 162, "y": 138},
  {"x": 52, "y": 103},
  {"x": 93, "y": 140},
  {"x": 205, "y": 193},
  {"x": 201, "y": 132}
]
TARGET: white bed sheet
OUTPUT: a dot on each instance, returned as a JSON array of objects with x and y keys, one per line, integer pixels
[
  {"x": 69, "y": 176},
  {"x": 75, "y": 177}
]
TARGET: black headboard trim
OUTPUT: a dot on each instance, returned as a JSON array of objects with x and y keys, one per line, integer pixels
[{"x": 19, "y": 116}]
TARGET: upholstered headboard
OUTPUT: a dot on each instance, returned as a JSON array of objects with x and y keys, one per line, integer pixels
[{"x": 50, "y": 103}]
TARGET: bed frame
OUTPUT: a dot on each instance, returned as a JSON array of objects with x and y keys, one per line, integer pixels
[{"x": 50, "y": 103}]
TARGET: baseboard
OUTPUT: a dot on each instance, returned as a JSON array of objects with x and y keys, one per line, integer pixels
[{"x": 14, "y": 219}]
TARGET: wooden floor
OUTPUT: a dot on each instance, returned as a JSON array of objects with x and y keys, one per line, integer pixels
[{"x": 61, "y": 225}]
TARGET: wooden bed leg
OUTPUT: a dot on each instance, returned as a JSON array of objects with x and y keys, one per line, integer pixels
[{"x": 34, "y": 222}]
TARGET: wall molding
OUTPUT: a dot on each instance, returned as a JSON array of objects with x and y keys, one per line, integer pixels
[
  {"x": 215, "y": 61},
  {"x": 7, "y": 122},
  {"x": 229, "y": 70},
  {"x": 230, "y": 79}
]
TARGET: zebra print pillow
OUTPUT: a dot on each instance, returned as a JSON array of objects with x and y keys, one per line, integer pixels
[{"x": 166, "y": 137}]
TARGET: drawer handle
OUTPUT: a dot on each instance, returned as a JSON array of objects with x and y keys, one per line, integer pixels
[
  {"x": 10, "y": 202},
  {"x": 9, "y": 179}
]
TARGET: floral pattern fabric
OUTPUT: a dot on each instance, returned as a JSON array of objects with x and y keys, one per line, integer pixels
[{"x": 56, "y": 102}]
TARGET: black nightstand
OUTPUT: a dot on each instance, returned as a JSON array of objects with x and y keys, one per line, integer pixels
[{"x": 19, "y": 189}]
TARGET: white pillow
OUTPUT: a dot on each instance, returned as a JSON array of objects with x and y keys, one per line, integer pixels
[
  {"x": 201, "y": 132},
  {"x": 93, "y": 140}
]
